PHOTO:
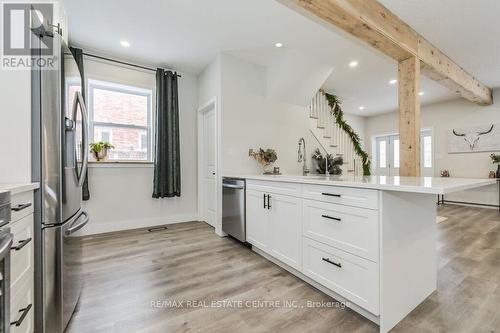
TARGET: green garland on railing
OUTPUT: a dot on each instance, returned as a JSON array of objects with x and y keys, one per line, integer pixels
[{"x": 334, "y": 103}]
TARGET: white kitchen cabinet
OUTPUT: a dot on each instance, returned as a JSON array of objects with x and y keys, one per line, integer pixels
[
  {"x": 257, "y": 216},
  {"x": 274, "y": 225},
  {"x": 286, "y": 229},
  {"x": 352, "y": 229},
  {"x": 350, "y": 276}
]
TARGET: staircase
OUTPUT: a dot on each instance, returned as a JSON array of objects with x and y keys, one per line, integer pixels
[{"x": 334, "y": 139}]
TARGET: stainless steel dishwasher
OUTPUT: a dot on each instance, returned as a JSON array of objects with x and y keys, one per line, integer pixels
[{"x": 233, "y": 208}]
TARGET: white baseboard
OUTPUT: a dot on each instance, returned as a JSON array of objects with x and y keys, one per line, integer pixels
[{"x": 94, "y": 227}]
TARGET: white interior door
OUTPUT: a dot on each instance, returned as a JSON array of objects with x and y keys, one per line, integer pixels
[{"x": 209, "y": 167}]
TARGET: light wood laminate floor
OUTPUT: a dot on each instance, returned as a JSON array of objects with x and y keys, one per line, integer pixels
[{"x": 126, "y": 272}]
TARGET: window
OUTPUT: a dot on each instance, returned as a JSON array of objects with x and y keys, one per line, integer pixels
[
  {"x": 382, "y": 154},
  {"x": 427, "y": 151},
  {"x": 388, "y": 158},
  {"x": 121, "y": 115},
  {"x": 396, "y": 153}
]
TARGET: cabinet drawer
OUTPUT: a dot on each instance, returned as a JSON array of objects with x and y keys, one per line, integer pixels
[
  {"x": 291, "y": 189},
  {"x": 21, "y": 263},
  {"x": 351, "y": 229},
  {"x": 22, "y": 303},
  {"x": 352, "y": 277},
  {"x": 21, "y": 205},
  {"x": 342, "y": 195}
]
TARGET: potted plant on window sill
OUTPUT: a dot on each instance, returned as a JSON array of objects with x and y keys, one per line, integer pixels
[{"x": 100, "y": 150}]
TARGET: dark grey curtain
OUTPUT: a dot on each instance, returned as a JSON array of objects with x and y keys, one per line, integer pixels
[
  {"x": 78, "y": 54},
  {"x": 167, "y": 161}
]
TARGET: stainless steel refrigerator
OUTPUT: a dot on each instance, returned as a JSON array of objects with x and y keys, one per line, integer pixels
[{"x": 60, "y": 151}]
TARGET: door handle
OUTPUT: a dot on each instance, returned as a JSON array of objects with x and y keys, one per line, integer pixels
[
  {"x": 265, "y": 201},
  {"x": 21, "y": 244},
  {"x": 78, "y": 100},
  {"x": 21, "y": 207},
  {"x": 331, "y": 217},
  {"x": 5, "y": 247},
  {"x": 24, "y": 313},
  {"x": 331, "y": 195},
  {"x": 332, "y": 262},
  {"x": 78, "y": 226},
  {"x": 268, "y": 201}
]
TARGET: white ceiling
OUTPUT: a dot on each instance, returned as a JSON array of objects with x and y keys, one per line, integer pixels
[
  {"x": 466, "y": 30},
  {"x": 187, "y": 35}
]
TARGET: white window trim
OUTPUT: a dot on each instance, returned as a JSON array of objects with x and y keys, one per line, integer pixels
[{"x": 113, "y": 86}]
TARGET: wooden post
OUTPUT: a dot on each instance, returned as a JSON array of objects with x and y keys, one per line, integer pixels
[{"x": 409, "y": 117}]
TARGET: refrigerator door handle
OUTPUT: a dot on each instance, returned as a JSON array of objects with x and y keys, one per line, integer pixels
[
  {"x": 78, "y": 101},
  {"x": 5, "y": 246},
  {"x": 77, "y": 226}
]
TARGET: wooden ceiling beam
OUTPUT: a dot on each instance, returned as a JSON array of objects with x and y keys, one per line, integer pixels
[{"x": 371, "y": 22}]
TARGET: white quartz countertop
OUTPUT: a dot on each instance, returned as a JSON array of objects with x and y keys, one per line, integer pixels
[
  {"x": 18, "y": 188},
  {"x": 430, "y": 185}
]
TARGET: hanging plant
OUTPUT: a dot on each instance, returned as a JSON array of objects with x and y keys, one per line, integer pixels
[{"x": 334, "y": 103}]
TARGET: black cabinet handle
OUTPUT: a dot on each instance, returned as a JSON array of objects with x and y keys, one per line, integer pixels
[
  {"x": 331, "y": 218},
  {"x": 265, "y": 201},
  {"x": 331, "y": 195},
  {"x": 332, "y": 262},
  {"x": 268, "y": 201},
  {"x": 21, "y": 244},
  {"x": 24, "y": 313},
  {"x": 21, "y": 207}
]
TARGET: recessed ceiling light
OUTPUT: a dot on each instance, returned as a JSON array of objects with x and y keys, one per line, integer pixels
[
  {"x": 278, "y": 44},
  {"x": 361, "y": 107},
  {"x": 393, "y": 81},
  {"x": 353, "y": 64},
  {"x": 124, "y": 43},
  {"x": 421, "y": 93}
]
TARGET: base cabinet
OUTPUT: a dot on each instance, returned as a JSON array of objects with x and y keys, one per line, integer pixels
[
  {"x": 335, "y": 245},
  {"x": 286, "y": 229},
  {"x": 352, "y": 277},
  {"x": 274, "y": 225},
  {"x": 22, "y": 264},
  {"x": 257, "y": 217}
]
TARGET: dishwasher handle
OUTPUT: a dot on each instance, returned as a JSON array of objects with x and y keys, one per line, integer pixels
[{"x": 236, "y": 187}]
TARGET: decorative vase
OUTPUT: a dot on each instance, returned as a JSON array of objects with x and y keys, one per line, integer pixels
[
  {"x": 268, "y": 168},
  {"x": 101, "y": 155},
  {"x": 498, "y": 170}
]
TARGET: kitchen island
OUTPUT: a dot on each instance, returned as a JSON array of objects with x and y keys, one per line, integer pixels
[{"x": 367, "y": 241}]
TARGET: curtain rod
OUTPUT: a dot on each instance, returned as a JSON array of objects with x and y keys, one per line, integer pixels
[{"x": 122, "y": 62}]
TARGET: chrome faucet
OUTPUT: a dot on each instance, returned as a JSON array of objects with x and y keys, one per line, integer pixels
[{"x": 302, "y": 156}]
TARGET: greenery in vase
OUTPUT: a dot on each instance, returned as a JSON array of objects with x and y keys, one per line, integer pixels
[
  {"x": 97, "y": 147},
  {"x": 334, "y": 163},
  {"x": 495, "y": 158},
  {"x": 334, "y": 103}
]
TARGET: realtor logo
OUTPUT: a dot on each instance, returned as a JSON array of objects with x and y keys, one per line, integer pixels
[{"x": 21, "y": 23}]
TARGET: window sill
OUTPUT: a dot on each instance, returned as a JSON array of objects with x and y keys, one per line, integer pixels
[{"x": 120, "y": 164}]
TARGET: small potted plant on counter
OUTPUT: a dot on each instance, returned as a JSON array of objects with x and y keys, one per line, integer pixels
[
  {"x": 266, "y": 158},
  {"x": 100, "y": 150},
  {"x": 495, "y": 159}
]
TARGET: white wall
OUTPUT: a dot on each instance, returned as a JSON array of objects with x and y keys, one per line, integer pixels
[
  {"x": 250, "y": 119},
  {"x": 15, "y": 117},
  {"x": 121, "y": 195},
  {"x": 441, "y": 118}
]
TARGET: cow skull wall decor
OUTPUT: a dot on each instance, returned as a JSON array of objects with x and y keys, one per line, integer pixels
[{"x": 474, "y": 139}]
